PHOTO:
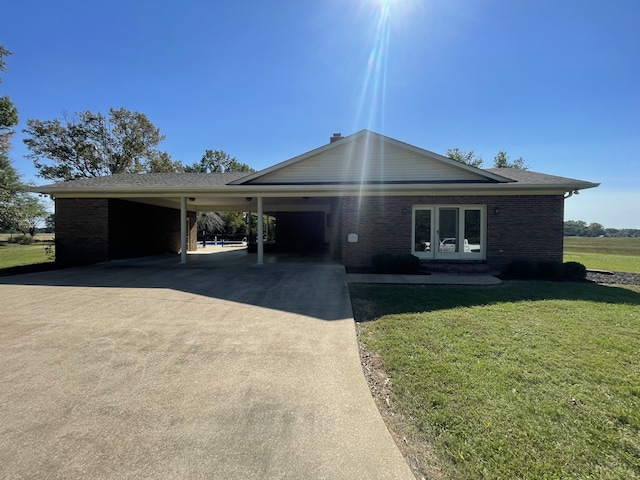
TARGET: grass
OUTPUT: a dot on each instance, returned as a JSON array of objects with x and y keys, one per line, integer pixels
[
  {"x": 525, "y": 380},
  {"x": 614, "y": 254},
  {"x": 14, "y": 255}
]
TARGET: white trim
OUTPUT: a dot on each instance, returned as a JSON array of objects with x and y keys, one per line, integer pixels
[
  {"x": 260, "y": 232},
  {"x": 183, "y": 230}
]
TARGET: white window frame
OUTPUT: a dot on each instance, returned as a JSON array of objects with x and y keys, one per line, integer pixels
[{"x": 434, "y": 252}]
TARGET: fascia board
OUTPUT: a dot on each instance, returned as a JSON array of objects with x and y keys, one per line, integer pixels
[{"x": 324, "y": 190}]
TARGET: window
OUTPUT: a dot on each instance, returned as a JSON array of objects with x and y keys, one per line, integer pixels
[{"x": 449, "y": 232}]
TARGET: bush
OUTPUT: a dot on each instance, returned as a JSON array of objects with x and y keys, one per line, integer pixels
[
  {"x": 22, "y": 240},
  {"x": 382, "y": 262},
  {"x": 522, "y": 269},
  {"x": 549, "y": 270},
  {"x": 406, "y": 264},
  {"x": 575, "y": 271}
]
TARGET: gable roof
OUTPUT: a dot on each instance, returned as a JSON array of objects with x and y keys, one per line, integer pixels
[
  {"x": 368, "y": 158},
  {"x": 365, "y": 163}
]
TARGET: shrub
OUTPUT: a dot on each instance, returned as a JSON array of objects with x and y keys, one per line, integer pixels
[
  {"x": 550, "y": 270},
  {"x": 521, "y": 269},
  {"x": 22, "y": 240},
  {"x": 389, "y": 263},
  {"x": 575, "y": 271},
  {"x": 407, "y": 264},
  {"x": 382, "y": 262}
]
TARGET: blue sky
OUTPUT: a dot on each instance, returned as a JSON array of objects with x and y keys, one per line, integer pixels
[{"x": 556, "y": 82}]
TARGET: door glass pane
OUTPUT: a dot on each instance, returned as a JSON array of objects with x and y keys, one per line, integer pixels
[
  {"x": 422, "y": 229},
  {"x": 472, "y": 237},
  {"x": 448, "y": 230}
]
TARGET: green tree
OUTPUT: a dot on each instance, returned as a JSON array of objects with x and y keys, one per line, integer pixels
[
  {"x": 90, "y": 145},
  {"x": 31, "y": 214},
  {"x": 235, "y": 223},
  {"x": 595, "y": 230},
  {"x": 501, "y": 160},
  {"x": 161, "y": 162},
  {"x": 10, "y": 187},
  {"x": 218, "y": 161},
  {"x": 465, "y": 157},
  {"x": 575, "y": 228},
  {"x": 8, "y": 111}
]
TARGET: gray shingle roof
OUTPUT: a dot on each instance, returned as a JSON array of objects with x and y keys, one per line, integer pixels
[
  {"x": 148, "y": 181},
  {"x": 534, "y": 178}
]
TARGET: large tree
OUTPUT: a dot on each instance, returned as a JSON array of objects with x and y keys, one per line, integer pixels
[
  {"x": 217, "y": 161},
  {"x": 8, "y": 111},
  {"x": 162, "y": 162},
  {"x": 89, "y": 144}
]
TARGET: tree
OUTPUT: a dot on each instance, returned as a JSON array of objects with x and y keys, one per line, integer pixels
[
  {"x": 575, "y": 228},
  {"x": 8, "y": 111},
  {"x": 465, "y": 157},
  {"x": 161, "y": 162},
  {"x": 92, "y": 145},
  {"x": 209, "y": 223},
  {"x": 217, "y": 161},
  {"x": 10, "y": 188},
  {"x": 595, "y": 230},
  {"x": 501, "y": 160},
  {"x": 31, "y": 214}
]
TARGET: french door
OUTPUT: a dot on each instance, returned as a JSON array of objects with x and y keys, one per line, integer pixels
[{"x": 449, "y": 232}]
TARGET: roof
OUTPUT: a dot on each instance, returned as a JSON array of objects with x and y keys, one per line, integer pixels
[
  {"x": 527, "y": 177},
  {"x": 368, "y": 158},
  {"x": 365, "y": 163},
  {"x": 146, "y": 181}
]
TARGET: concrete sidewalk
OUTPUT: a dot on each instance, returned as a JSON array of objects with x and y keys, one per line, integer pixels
[
  {"x": 153, "y": 369},
  {"x": 433, "y": 279}
]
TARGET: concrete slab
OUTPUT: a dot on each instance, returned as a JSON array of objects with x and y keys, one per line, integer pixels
[
  {"x": 433, "y": 279},
  {"x": 152, "y": 369}
]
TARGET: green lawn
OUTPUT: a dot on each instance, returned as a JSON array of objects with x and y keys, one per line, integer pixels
[
  {"x": 525, "y": 380},
  {"x": 614, "y": 254},
  {"x": 13, "y": 255}
]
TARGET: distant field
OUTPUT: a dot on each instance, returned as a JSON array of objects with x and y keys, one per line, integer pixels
[
  {"x": 40, "y": 237},
  {"x": 613, "y": 254}
]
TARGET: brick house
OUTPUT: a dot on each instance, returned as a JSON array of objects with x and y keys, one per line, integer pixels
[{"x": 353, "y": 197}]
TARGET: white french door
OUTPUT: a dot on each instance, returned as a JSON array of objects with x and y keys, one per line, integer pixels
[{"x": 449, "y": 231}]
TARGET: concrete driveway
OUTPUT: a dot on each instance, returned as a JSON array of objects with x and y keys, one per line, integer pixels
[{"x": 152, "y": 369}]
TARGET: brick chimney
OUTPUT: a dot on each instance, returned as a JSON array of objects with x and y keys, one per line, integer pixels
[{"x": 335, "y": 137}]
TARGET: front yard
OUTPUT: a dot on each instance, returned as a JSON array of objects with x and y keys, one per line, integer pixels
[{"x": 525, "y": 380}]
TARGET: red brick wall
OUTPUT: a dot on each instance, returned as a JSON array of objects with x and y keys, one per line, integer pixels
[
  {"x": 526, "y": 226},
  {"x": 97, "y": 230}
]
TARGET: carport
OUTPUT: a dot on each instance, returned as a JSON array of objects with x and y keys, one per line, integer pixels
[{"x": 123, "y": 216}]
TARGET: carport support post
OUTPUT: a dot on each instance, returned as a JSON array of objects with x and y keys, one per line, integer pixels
[
  {"x": 260, "y": 233},
  {"x": 183, "y": 230}
]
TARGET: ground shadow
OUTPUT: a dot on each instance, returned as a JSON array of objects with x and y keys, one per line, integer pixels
[
  {"x": 300, "y": 284},
  {"x": 372, "y": 301}
]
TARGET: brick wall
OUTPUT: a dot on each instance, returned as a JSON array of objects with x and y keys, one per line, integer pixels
[
  {"x": 82, "y": 231},
  {"x": 97, "y": 230},
  {"x": 138, "y": 229},
  {"x": 526, "y": 226}
]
